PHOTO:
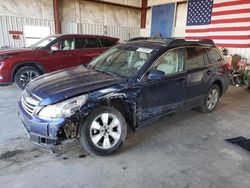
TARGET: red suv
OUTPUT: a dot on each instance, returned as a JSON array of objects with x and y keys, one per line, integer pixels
[{"x": 50, "y": 54}]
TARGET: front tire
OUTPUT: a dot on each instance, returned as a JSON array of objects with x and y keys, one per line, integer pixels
[
  {"x": 103, "y": 132},
  {"x": 211, "y": 100},
  {"x": 25, "y": 74}
]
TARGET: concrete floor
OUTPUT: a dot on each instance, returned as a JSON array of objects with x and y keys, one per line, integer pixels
[{"x": 186, "y": 150}]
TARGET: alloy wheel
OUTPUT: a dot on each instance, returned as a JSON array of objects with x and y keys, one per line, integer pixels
[
  {"x": 212, "y": 99},
  {"x": 105, "y": 131},
  {"x": 27, "y": 76}
]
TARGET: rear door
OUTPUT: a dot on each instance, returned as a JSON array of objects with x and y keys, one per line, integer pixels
[
  {"x": 197, "y": 72},
  {"x": 87, "y": 48},
  {"x": 158, "y": 97}
]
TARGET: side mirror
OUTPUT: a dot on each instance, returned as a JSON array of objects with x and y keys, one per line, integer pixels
[
  {"x": 53, "y": 49},
  {"x": 156, "y": 75}
]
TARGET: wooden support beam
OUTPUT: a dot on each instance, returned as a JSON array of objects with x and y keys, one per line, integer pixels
[
  {"x": 143, "y": 13},
  {"x": 57, "y": 16},
  {"x": 115, "y": 4}
]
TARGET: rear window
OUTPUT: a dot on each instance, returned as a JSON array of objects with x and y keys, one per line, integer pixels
[
  {"x": 106, "y": 42},
  {"x": 214, "y": 55}
]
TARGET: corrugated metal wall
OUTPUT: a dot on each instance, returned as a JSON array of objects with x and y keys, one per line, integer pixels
[
  {"x": 123, "y": 33},
  {"x": 243, "y": 52},
  {"x": 9, "y": 23}
]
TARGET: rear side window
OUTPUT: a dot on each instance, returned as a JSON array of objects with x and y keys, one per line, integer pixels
[
  {"x": 92, "y": 43},
  {"x": 214, "y": 55},
  {"x": 106, "y": 43},
  {"x": 81, "y": 43},
  {"x": 194, "y": 57}
]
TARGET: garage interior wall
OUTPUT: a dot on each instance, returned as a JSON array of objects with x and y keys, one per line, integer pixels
[
  {"x": 180, "y": 23},
  {"x": 77, "y": 16}
]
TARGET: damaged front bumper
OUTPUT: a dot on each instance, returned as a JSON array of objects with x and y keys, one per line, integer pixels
[{"x": 47, "y": 133}]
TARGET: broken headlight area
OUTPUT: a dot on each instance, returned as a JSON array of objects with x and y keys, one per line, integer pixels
[
  {"x": 68, "y": 131},
  {"x": 63, "y": 109}
]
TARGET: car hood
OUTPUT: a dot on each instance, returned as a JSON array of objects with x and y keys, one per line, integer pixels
[
  {"x": 14, "y": 50},
  {"x": 60, "y": 85}
]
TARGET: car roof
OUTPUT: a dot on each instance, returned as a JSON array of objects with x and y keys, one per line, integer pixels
[
  {"x": 153, "y": 44},
  {"x": 83, "y": 35},
  {"x": 157, "y": 43}
]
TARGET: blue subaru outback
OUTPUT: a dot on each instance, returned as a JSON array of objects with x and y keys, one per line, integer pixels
[{"x": 125, "y": 87}]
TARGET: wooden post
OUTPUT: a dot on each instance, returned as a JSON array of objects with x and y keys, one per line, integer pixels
[
  {"x": 57, "y": 17},
  {"x": 143, "y": 13}
]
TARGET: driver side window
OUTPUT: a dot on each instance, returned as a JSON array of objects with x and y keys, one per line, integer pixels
[
  {"x": 171, "y": 62},
  {"x": 64, "y": 44}
]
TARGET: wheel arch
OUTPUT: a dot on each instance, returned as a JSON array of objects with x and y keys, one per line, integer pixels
[
  {"x": 23, "y": 64},
  {"x": 119, "y": 101},
  {"x": 219, "y": 84},
  {"x": 125, "y": 107}
]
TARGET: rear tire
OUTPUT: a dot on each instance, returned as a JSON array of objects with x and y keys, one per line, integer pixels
[
  {"x": 248, "y": 84},
  {"x": 211, "y": 99},
  {"x": 24, "y": 75},
  {"x": 103, "y": 132}
]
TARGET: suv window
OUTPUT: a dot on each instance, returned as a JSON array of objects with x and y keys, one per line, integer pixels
[
  {"x": 106, "y": 43},
  {"x": 171, "y": 62},
  {"x": 195, "y": 57},
  {"x": 214, "y": 55},
  {"x": 64, "y": 44},
  {"x": 92, "y": 43},
  {"x": 81, "y": 43}
]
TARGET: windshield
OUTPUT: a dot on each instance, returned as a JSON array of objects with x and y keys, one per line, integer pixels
[
  {"x": 43, "y": 42},
  {"x": 122, "y": 62}
]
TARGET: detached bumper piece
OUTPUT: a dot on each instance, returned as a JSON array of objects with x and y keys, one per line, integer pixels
[{"x": 43, "y": 141}]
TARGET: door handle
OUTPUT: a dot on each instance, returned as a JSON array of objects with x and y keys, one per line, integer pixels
[{"x": 182, "y": 81}]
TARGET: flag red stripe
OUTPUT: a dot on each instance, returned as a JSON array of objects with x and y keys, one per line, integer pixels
[
  {"x": 235, "y": 37},
  {"x": 226, "y": 45},
  {"x": 230, "y": 20},
  {"x": 218, "y": 29},
  {"x": 234, "y": 45},
  {"x": 241, "y": 11},
  {"x": 216, "y": 5}
]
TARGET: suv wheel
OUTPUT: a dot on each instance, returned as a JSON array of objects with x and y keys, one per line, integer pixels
[
  {"x": 211, "y": 100},
  {"x": 103, "y": 132},
  {"x": 25, "y": 74}
]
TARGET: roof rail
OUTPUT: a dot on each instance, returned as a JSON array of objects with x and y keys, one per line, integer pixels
[
  {"x": 176, "y": 41},
  {"x": 157, "y": 36},
  {"x": 179, "y": 41},
  {"x": 137, "y": 38}
]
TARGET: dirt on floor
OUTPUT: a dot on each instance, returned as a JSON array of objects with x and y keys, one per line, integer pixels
[{"x": 185, "y": 150}]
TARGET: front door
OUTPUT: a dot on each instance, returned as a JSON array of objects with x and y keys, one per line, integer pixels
[
  {"x": 62, "y": 54},
  {"x": 159, "y": 97}
]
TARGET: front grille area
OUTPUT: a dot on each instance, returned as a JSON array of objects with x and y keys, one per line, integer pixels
[{"x": 29, "y": 103}]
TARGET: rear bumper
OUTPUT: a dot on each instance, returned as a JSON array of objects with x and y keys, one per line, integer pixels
[
  {"x": 41, "y": 132},
  {"x": 226, "y": 83}
]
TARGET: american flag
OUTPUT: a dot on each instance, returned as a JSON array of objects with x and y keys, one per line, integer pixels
[{"x": 226, "y": 22}]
